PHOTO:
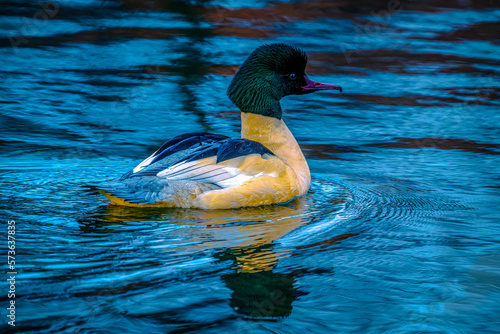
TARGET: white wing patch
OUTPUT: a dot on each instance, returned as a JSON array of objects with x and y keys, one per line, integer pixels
[
  {"x": 237, "y": 179},
  {"x": 144, "y": 163},
  {"x": 223, "y": 176}
]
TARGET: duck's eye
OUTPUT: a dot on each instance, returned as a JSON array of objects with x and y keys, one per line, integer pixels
[{"x": 293, "y": 76}]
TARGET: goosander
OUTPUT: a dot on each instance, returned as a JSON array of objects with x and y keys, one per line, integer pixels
[{"x": 210, "y": 171}]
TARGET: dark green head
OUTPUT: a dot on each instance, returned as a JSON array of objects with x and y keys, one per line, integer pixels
[{"x": 270, "y": 73}]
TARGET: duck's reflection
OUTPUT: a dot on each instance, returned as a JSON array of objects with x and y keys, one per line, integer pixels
[
  {"x": 258, "y": 291},
  {"x": 246, "y": 237}
]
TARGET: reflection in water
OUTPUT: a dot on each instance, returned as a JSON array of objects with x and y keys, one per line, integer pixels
[
  {"x": 263, "y": 294},
  {"x": 191, "y": 62},
  {"x": 246, "y": 237}
]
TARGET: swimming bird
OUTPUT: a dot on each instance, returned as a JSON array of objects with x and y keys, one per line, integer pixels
[{"x": 210, "y": 171}]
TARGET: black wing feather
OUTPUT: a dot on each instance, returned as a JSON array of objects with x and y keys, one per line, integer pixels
[
  {"x": 184, "y": 142},
  {"x": 234, "y": 148},
  {"x": 172, "y": 152}
]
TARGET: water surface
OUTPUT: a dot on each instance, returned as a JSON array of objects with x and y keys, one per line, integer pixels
[{"x": 399, "y": 233}]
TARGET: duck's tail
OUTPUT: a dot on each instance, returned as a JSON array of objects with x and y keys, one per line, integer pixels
[{"x": 144, "y": 191}]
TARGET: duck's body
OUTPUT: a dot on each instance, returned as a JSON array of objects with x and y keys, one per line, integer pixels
[{"x": 201, "y": 170}]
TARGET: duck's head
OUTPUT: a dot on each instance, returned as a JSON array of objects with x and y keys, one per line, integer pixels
[{"x": 270, "y": 73}]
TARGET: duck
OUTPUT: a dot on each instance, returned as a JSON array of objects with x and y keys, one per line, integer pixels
[{"x": 210, "y": 171}]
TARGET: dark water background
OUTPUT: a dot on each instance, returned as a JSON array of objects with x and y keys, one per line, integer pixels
[{"x": 399, "y": 234}]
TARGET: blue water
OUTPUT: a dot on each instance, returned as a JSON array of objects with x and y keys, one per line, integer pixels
[{"x": 399, "y": 234}]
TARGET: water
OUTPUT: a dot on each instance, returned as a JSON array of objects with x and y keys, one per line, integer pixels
[{"x": 399, "y": 233}]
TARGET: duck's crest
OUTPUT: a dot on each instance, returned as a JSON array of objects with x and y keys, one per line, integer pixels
[{"x": 255, "y": 86}]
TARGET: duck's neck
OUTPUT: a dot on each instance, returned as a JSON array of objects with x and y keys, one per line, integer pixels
[
  {"x": 275, "y": 135},
  {"x": 267, "y": 106}
]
